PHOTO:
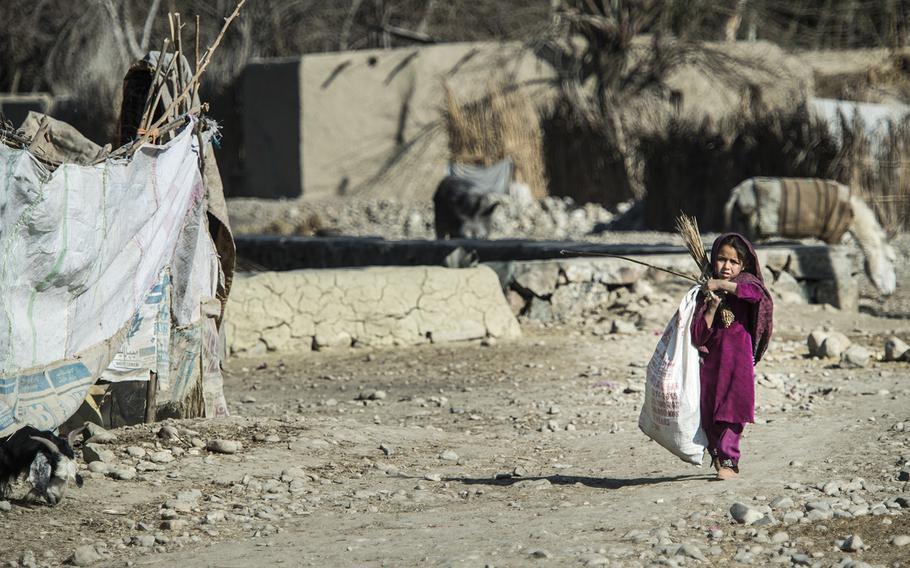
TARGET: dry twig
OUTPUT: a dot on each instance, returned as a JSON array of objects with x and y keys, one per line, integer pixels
[{"x": 688, "y": 229}]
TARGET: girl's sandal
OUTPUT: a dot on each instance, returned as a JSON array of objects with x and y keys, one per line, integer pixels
[{"x": 727, "y": 470}]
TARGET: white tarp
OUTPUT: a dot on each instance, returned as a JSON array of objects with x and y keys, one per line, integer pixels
[
  {"x": 80, "y": 249},
  {"x": 875, "y": 117}
]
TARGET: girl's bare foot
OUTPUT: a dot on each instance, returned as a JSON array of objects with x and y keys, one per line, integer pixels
[
  {"x": 725, "y": 473},
  {"x": 726, "y": 470}
]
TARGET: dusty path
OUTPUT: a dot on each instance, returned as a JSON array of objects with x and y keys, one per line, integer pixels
[{"x": 520, "y": 453}]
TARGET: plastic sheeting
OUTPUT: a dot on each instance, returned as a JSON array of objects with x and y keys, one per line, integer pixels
[{"x": 80, "y": 250}]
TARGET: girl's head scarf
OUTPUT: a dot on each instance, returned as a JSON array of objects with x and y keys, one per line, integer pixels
[{"x": 763, "y": 310}]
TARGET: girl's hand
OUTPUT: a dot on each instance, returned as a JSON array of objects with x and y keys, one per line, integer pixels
[
  {"x": 718, "y": 285},
  {"x": 711, "y": 299},
  {"x": 714, "y": 284}
]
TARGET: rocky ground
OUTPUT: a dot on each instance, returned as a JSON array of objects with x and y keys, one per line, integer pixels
[{"x": 518, "y": 453}]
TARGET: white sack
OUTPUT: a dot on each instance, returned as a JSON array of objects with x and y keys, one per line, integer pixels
[{"x": 671, "y": 414}]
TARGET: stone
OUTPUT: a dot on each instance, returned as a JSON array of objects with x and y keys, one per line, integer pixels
[
  {"x": 174, "y": 525},
  {"x": 781, "y": 503},
  {"x": 5, "y": 506},
  {"x": 516, "y": 302},
  {"x": 791, "y": 517},
  {"x": 818, "y": 506},
  {"x": 692, "y": 551},
  {"x": 448, "y": 455},
  {"x": 815, "y": 340},
  {"x": 539, "y": 553},
  {"x": 94, "y": 452},
  {"x": 98, "y": 435},
  {"x": 622, "y": 327},
  {"x": 537, "y": 277},
  {"x": 903, "y": 475},
  {"x": 842, "y": 289},
  {"x": 539, "y": 310},
  {"x": 593, "y": 560},
  {"x": 744, "y": 514},
  {"x": 223, "y": 446},
  {"x": 144, "y": 540},
  {"x": 900, "y": 540},
  {"x": 123, "y": 473},
  {"x": 834, "y": 345},
  {"x": 28, "y": 560},
  {"x": 85, "y": 555},
  {"x": 780, "y": 537},
  {"x": 853, "y": 543},
  {"x": 896, "y": 350},
  {"x": 149, "y": 466},
  {"x": 855, "y": 357},
  {"x": 168, "y": 432},
  {"x": 99, "y": 467},
  {"x": 213, "y": 517},
  {"x": 163, "y": 456},
  {"x": 136, "y": 452},
  {"x": 788, "y": 288}
]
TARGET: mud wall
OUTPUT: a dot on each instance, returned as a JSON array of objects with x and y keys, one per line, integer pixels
[{"x": 303, "y": 310}]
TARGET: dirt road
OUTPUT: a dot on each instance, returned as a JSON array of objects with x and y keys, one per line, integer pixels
[{"x": 519, "y": 453}]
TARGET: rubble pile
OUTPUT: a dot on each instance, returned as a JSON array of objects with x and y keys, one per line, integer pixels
[{"x": 550, "y": 218}]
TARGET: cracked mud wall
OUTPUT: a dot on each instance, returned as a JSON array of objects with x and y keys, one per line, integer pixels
[{"x": 304, "y": 310}]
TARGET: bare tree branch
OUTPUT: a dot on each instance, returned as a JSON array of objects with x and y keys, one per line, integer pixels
[
  {"x": 147, "y": 28},
  {"x": 348, "y": 23}
]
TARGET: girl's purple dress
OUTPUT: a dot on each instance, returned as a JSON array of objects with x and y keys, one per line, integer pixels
[
  {"x": 727, "y": 370},
  {"x": 730, "y": 354}
]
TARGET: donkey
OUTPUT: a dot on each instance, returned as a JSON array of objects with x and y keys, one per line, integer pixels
[
  {"x": 46, "y": 458},
  {"x": 764, "y": 207}
]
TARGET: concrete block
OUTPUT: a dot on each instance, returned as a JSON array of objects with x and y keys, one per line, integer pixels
[{"x": 306, "y": 309}]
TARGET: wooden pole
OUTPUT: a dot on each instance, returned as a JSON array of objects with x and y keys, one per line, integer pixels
[{"x": 151, "y": 395}]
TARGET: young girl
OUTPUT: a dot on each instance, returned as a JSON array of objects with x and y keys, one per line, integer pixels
[{"x": 731, "y": 328}]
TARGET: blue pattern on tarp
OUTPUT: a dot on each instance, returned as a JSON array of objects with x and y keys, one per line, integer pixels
[
  {"x": 185, "y": 368},
  {"x": 44, "y": 400},
  {"x": 67, "y": 374},
  {"x": 7, "y": 416},
  {"x": 33, "y": 383}
]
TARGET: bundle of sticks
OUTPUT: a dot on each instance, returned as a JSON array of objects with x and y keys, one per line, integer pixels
[
  {"x": 169, "y": 77},
  {"x": 688, "y": 229}
]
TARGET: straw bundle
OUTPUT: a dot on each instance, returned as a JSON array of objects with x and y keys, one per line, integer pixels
[
  {"x": 688, "y": 229},
  {"x": 502, "y": 124}
]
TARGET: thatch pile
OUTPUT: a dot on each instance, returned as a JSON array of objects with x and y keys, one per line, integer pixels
[
  {"x": 502, "y": 124},
  {"x": 691, "y": 166},
  {"x": 581, "y": 161}
]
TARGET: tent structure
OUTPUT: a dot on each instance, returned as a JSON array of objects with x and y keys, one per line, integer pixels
[{"x": 114, "y": 270}]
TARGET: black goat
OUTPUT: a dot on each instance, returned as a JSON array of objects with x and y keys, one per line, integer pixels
[
  {"x": 462, "y": 209},
  {"x": 46, "y": 458}
]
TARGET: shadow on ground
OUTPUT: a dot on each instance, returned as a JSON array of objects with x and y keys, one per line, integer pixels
[{"x": 595, "y": 482}]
